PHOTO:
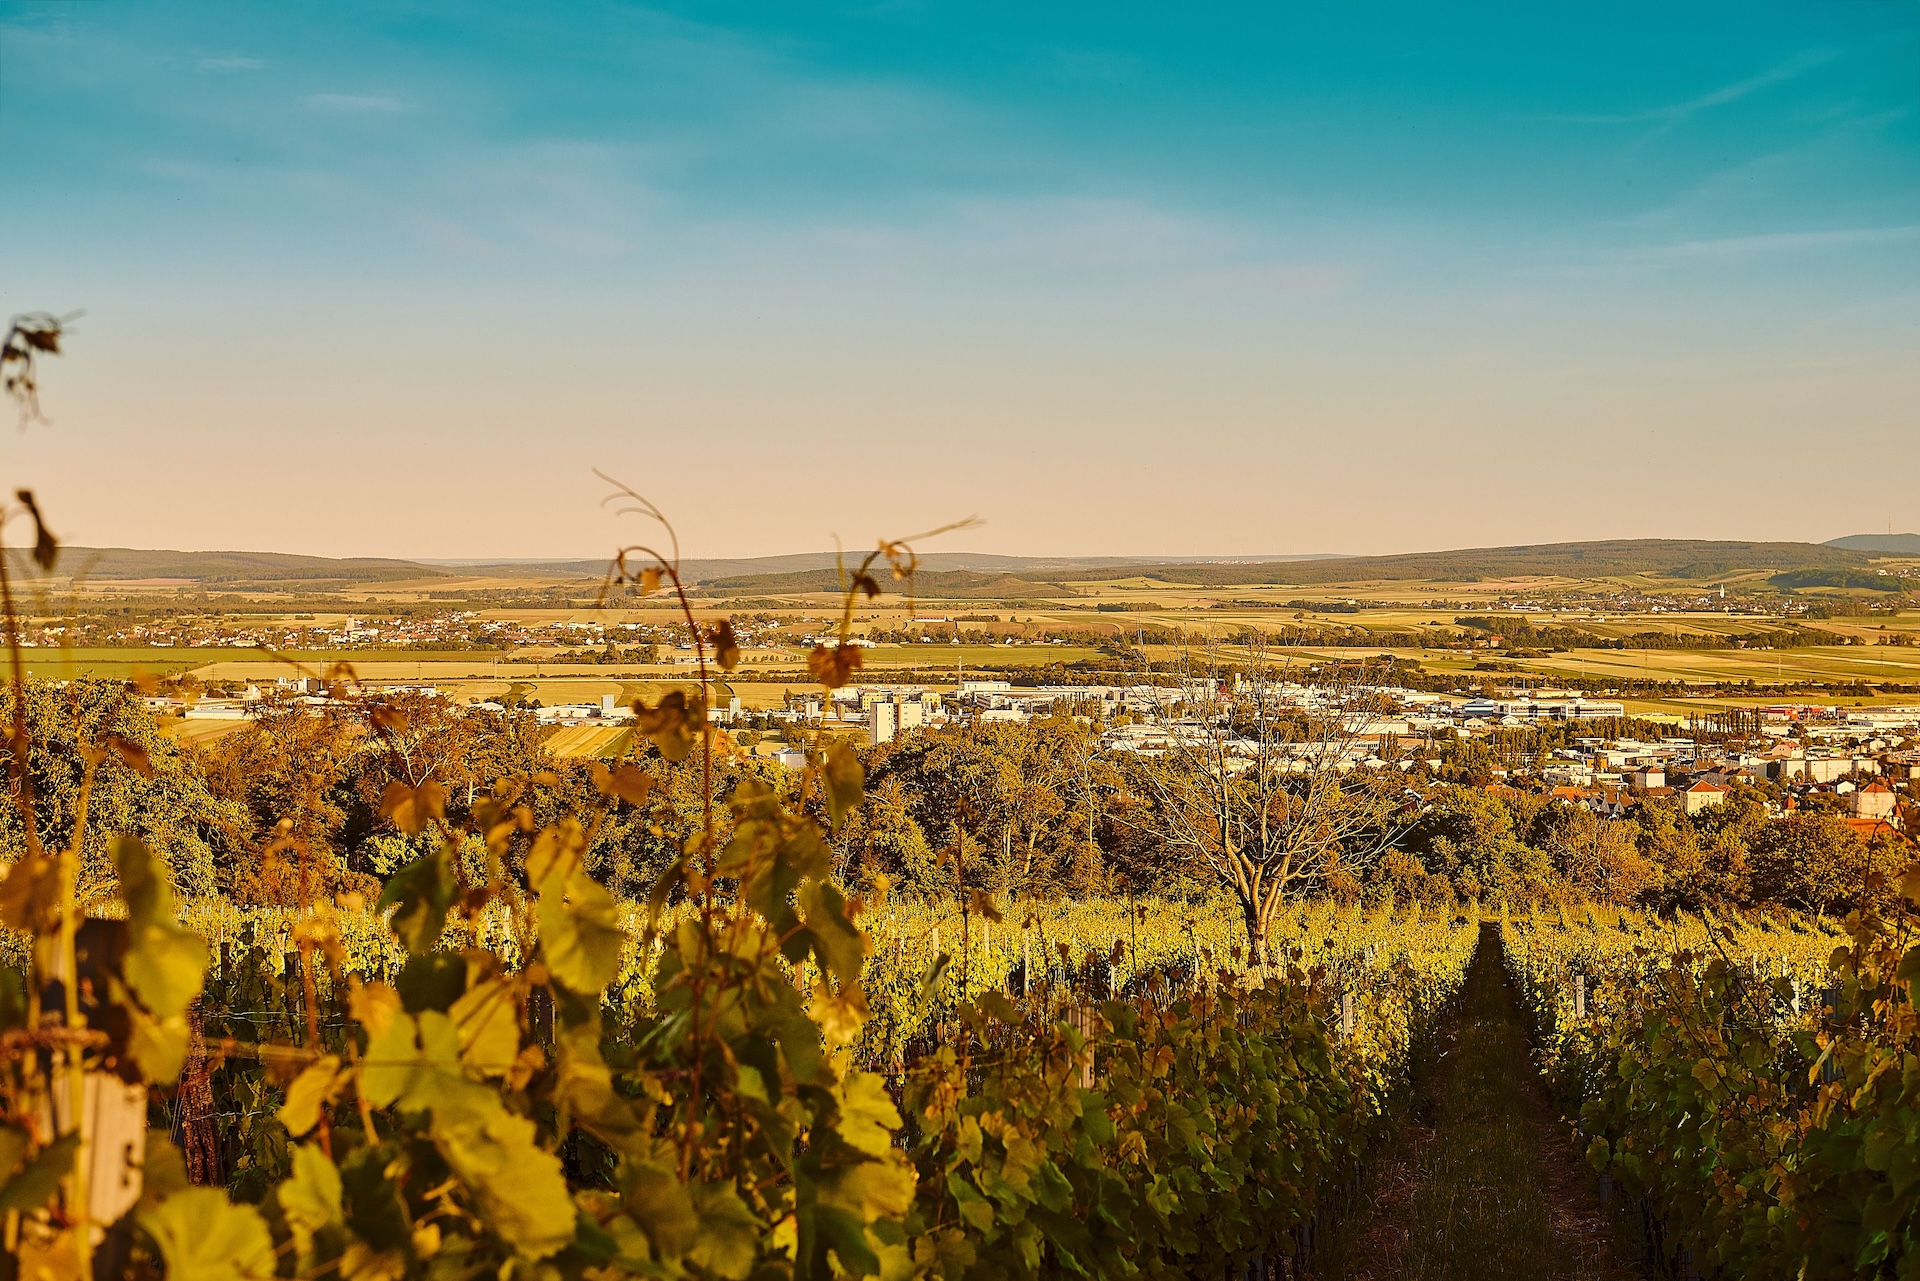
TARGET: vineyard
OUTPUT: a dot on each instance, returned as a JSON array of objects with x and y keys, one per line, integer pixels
[
  {"x": 534, "y": 1075},
  {"x": 1152, "y": 1070},
  {"x": 1750, "y": 1088}
]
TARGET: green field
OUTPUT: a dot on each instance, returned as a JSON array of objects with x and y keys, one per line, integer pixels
[{"x": 124, "y": 663}]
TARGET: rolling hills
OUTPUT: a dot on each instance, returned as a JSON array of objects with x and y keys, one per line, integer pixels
[{"x": 985, "y": 576}]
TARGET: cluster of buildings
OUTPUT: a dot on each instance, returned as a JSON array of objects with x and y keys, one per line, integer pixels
[
  {"x": 888, "y": 711},
  {"x": 1863, "y": 776}
]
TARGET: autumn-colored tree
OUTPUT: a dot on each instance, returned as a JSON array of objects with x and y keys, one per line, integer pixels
[
  {"x": 1593, "y": 857},
  {"x": 292, "y": 771}
]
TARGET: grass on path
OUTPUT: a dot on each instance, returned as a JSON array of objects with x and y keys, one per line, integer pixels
[{"x": 1486, "y": 1187}]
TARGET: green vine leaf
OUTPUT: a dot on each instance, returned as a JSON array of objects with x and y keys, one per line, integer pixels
[
  {"x": 204, "y": 1237},
  {"x": 518, "y": 1187},
  {"x": 580, "y": 934},
  {"x": 420, "y": 894},
  {"x": 661, "y": 1205},
  {"x": 488, "y": 1022},
  {"x": 313, "y": 1198},
  {"x": 165, "y": 961},
  {"x": 729, "y": 1235},
  {"x": 31, "y": 1184},
  {"x": 867, "y": 1119},
  {"x": 846, "y": 782},
  {"x": 310, "y": 1094}
]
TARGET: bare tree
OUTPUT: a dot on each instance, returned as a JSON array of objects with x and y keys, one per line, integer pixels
[{"x": 1261, "y": 781}]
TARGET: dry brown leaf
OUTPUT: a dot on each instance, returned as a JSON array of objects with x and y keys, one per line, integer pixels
[
  {"x": 131, "y": 754},
  {"x": 833, "y": 667},
  {"x": 726, "y": 648}
]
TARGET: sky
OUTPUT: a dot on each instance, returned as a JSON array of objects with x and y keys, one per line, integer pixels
[{"x": 394, "y": 279}]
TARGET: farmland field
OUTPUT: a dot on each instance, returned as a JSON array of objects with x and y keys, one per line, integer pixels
[{"x": 602, "y": 741}]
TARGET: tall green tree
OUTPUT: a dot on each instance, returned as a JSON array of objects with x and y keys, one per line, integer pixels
[{"x": 144, "y": 785}]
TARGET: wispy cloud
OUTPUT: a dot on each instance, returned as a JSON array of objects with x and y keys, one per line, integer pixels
[
  {"x": 355, "y": 102},
  {"x": 1676, "y": 113},
  {"x": 230, "y": 62},
  {"x": 1793, "y": 241}
]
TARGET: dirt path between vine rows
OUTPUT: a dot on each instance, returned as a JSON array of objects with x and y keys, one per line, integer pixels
[{"x": 1485, "y": 1185}]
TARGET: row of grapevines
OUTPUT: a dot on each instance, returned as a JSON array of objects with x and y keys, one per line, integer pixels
[
  {"x": 1755, "y": 1082},
  {"x": 1378, "y": 976},
  {"x": 1064, "y": 950}
]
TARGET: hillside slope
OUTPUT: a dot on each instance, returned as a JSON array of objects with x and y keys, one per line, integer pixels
[
  {"x": 1884, "y": 544},
  {"x": 1688, "y": 560},
  {"x": 112, "y": 564}
]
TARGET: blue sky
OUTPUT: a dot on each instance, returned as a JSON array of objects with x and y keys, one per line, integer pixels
[{"x": 391, "y": 279}]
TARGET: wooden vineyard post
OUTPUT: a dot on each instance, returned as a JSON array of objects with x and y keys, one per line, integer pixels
[
  {"x": 193, "y": 1113},
  {"x": 1580, "y": 996},
  {"x": 1083, "y": 1018},
  {"x": 1026, "y": 961},
  {"x": 290, "y": 977},
  {"x": 1346, "y": 1014},
  {"x": 940, "y": 1024},
  {"x": 113, "y": 1143}
]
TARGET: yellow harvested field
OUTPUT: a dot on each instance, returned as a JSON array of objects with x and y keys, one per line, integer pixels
[
  {"x": 602, "y": 741},
  {"x": 1826, "y": 663},
  {"x": 200, "y": 732}
]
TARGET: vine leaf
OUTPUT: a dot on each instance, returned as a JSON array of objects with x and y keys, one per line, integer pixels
[
  {"x": 833, "y": 667},
  {"x": 580, "y": 934},
  {"x": 205, "y": 1237},
  {"x": 518, "y": 1185},
  {"x": 309, "y": 1095},
  {"x": 488, "y": 1022},
  {"x": 729, "y": 1233},
  {"x": 30, "y": 896},
  {"x": 673, "y": 725},
  {"x": 837, "y": 941},
  {"x": 46, "y": 548},
  {"x": 421, "y": 892},
  {"x": 627, "y": 783},
  {"x": 33, "y": 1183},
  {"x": 726, "y": 646},
  {"x": 557, "y": 849},
  {"x": 661, "y": 1205},
  {"x": 165, "y": 961},
  {"x": 867, "y": 1117},
  {"x": 163, "y": 965},
  {"x": 312, "y": 1199},
  {"x": 846, "y": 781},
  {"x": 585, "y": 1086},
  {"x": 131, "y": 754},
  {"x": 411, "y": 808}
]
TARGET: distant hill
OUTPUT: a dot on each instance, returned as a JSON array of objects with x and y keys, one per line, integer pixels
[
  {"x": 1885, "y": 544},
  {"x": 987, "y": 576},
  {"x": 713, "y": 570},
  {"x": 1675, "y": 558},
  {"x": 229, "y": 569}
]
